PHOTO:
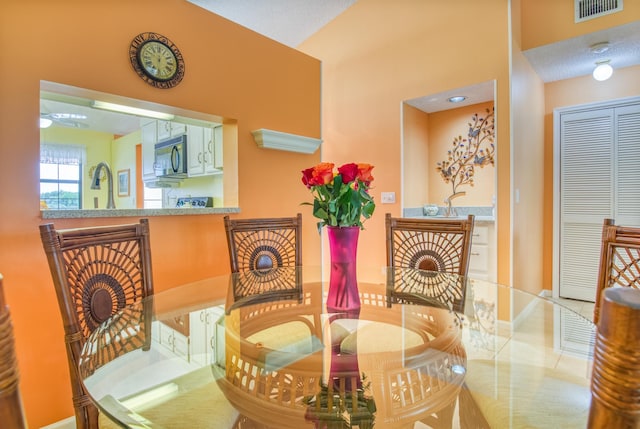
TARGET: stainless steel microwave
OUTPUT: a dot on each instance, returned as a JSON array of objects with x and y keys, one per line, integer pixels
[{"x": 171, "y": 157}]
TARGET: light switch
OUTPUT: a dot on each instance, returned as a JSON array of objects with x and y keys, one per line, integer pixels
[{"x": 388, "y": 197}]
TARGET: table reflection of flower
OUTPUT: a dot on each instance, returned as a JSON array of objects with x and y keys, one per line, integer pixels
[{"x": 345, "y": 399}]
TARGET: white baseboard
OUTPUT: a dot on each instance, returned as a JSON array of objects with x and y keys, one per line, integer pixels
[
  {"x": 546, "y": 293},
  {"x": 68, "y": 423}
]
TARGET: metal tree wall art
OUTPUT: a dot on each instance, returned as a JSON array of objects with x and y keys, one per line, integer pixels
[{"x": 476, "y": 150}]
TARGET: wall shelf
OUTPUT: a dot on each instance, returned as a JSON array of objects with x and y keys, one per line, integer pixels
[{"x": 269, "y": 139}]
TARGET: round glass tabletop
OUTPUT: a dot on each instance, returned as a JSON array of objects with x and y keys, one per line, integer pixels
[{"x": 260, "y": 349}]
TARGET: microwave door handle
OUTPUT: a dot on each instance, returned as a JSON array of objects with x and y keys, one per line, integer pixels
[{"x": 175, "y": 159}]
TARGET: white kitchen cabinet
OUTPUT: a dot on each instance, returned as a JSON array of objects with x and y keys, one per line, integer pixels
[
  {"x": 149, "y": 132},
  {"x": 201, "y": 150},
  {"x": 195, "y": 152},
  {"x": 217, "y": 148},
  {"x": 482, "y": 263},
  {"x": 204, "y": 336},
  {"x": 168, "y": 129},
  {"x": 174, "y": 337}
]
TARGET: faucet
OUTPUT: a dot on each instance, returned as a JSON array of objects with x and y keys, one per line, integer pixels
[
  {"x": 450, "y": 210},
  {"x": 95, "y": 182}
]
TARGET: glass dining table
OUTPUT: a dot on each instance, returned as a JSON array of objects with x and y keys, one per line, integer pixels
[{"x": 260, "y": 350}]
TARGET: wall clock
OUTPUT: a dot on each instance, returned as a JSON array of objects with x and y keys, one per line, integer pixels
[{"x": 157, "y": 60}]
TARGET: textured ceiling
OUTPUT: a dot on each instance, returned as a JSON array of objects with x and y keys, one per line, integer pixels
[{"x": 573, "y": 57}]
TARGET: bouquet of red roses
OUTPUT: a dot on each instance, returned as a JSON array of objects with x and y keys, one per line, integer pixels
[{"x": 340, "y": 198}]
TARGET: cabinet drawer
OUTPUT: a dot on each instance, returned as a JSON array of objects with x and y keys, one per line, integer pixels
[
  {"x": 480, "y": 235},
  {"x": 479, "y": 260},
  {"x": 181, "y": 345}
]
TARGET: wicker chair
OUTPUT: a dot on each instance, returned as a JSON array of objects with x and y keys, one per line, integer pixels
[
  {"x": 433, "y": 245},
  {"x": 265, "y": 253},
  {"x": 615, "y": 380},
  {"x": 11, "y": 410},
  {"x": 619, "y": 260},
  {"x": 96, "y": 272}
]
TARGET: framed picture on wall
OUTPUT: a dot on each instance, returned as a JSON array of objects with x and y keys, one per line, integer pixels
[{"x": 123, "y": 183}]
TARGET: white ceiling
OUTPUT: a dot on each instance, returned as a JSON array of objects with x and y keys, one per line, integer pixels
[{"x": 291, "y": 22}]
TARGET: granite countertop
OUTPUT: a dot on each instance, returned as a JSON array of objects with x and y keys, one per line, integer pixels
[
  {"x": 477, "y": 218},
  {"x": 482, "y": 213},
  {"x": 75, "y": 214}
]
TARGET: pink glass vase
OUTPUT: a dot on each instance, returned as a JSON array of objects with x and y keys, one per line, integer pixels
[{"x": 343, "y": 283}]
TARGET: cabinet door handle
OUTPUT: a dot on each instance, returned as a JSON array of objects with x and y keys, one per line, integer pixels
[{"x": 475, "y": 254}]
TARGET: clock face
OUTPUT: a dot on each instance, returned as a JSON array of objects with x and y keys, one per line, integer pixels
[{"x": 156, "y": 60}]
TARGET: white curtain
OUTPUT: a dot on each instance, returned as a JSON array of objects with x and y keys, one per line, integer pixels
[{"x": 52, "y": 153}]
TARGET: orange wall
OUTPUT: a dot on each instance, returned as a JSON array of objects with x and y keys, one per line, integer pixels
[
  {"x": 230, "y": 72},
  {"x": 527, "y": 104},
  {"x": 375, "y": 56},
  {"x": 443, "y": 128},
  {"x": 415, "y": 157},
  {"x": 550, "y": 21}
]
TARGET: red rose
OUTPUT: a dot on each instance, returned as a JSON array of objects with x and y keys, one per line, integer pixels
[
  {"x": 307, "y": 177},
  {"x": 364, "y": 173},
  {"x": 349, "y": 172}
]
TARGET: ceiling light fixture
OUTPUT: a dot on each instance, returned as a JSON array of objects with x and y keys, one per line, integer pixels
[
  {"x": 45, "y": 122},
  {"x": 603, "y": 70},
  {"x": 456, "y": 99},
  {"x": 68, "y": 116},
  {"x": 131, "y": 110},
  {"x": 599, "y": 48}
]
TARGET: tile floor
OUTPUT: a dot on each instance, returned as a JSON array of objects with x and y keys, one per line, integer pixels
[{"x": 582, "y": 307}]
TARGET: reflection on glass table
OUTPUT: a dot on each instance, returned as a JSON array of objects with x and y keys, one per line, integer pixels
[{"x": 425, "y": 350}]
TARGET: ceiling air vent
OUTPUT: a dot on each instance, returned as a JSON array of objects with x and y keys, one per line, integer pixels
[{"x": 589, "y": 9}]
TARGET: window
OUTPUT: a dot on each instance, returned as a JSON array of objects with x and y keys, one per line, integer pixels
[{"x": 60, "y": 176}]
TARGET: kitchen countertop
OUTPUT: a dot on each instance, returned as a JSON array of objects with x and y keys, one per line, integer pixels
[
  {"x": 93, "y": 213},
  {"x": 482, "y": 213},
  {"x": 477, "y": 218}
]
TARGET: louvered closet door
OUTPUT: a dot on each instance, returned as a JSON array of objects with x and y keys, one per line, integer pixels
[
  {"x": 599, "y": 178},
  {"x": 627, "y": 185}
]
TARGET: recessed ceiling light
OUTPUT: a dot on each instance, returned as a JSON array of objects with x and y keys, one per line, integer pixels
[{"x": 457, "y": 99}]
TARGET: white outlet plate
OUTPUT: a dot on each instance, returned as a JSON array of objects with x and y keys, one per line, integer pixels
[{"x": 388, "y": 197}]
